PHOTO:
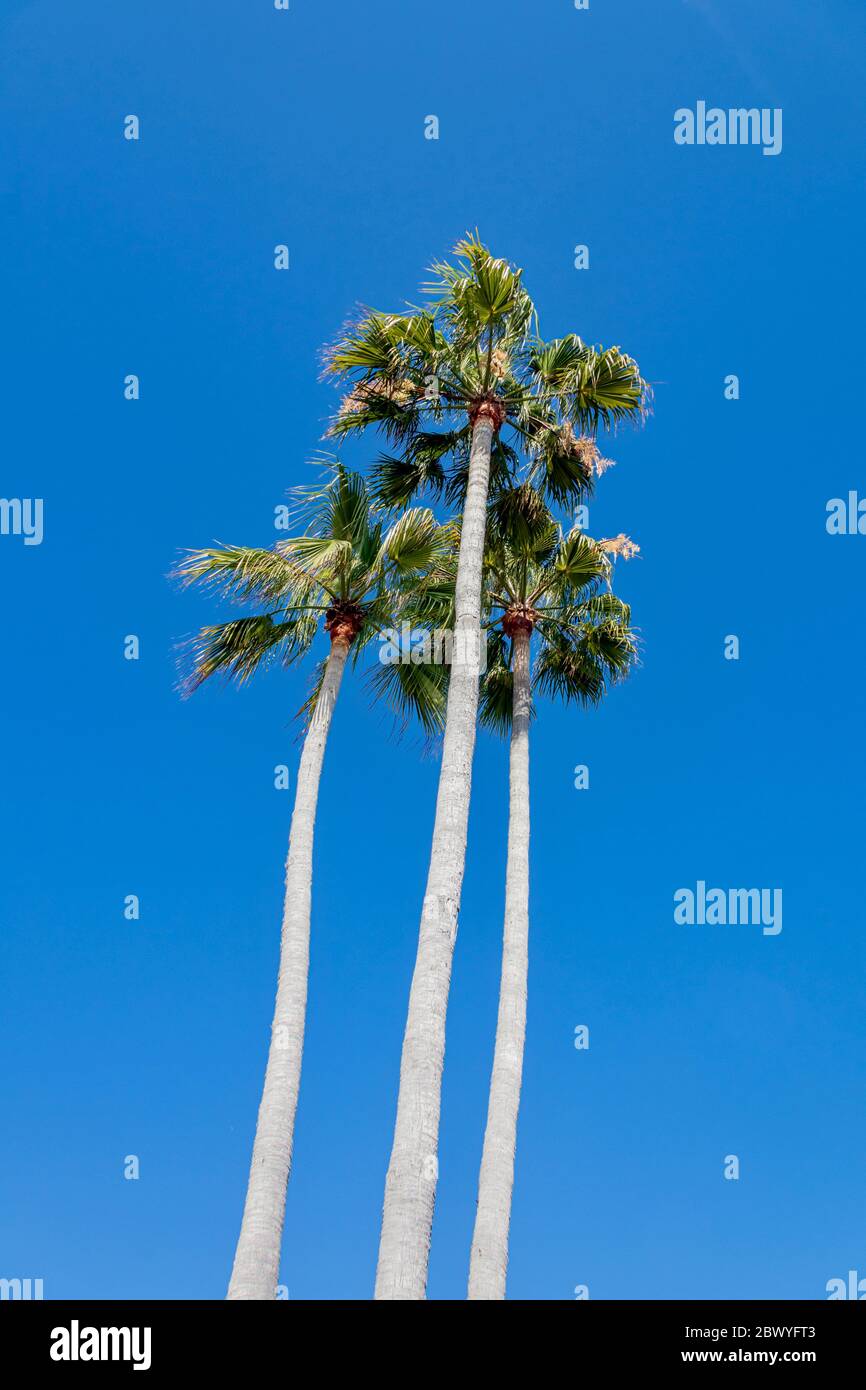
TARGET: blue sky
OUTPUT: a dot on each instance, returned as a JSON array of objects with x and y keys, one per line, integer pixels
[{"x": 156, "y": 257}]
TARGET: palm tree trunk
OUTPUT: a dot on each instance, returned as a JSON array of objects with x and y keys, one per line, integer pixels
[
  {"x": 410, "y": 1186},
  {"x": 257, "y": 1258},
  {"x": 489, "y": 1259}
]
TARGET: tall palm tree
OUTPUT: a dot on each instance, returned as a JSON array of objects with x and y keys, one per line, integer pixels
[
  {"x": 445, "y": 384},
  {"x": 556, "y": 587},
  {"x": 347, "y": 574}
]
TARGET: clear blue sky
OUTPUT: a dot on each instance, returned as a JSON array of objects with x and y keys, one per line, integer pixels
[{"x": 156, "y": 258}]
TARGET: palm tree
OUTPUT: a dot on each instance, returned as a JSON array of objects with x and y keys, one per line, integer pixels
[
  {"x": 554, "y": 586},
  {"x": 444, "y": 383},
  {"x": 348, "y": 575}
]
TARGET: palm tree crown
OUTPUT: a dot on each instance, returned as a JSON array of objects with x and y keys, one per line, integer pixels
[
  {"x": 345, "y": 572},
  {"x": 423, "y": 378},
  {"x": 556, "y": 585}
]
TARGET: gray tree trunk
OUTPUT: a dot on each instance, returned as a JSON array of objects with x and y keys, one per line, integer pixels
[
  {"x": 410, "y": 1186},
  {"x": 257, "y": 1258},
  {"x": 489, "y": 1259}
]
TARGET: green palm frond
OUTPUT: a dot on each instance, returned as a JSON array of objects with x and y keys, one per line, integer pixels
[
  {"x": 612, "y": 646},
  {"x": 610, "y": 389},
  {"x": 476, "y": 290},
  {"x": 560, "y": 583},
  {"x": 518, "y": 516},
  {"x": 563, "y": 672},
  {"x": 558, "y": 472},
  {"x": 337, "y": 508},
  {"x": 578, "y": 564},
  {"x": 414, "y": 543},
  {"x": 429, "y": 604},
  {"x": 593, "y": 608},
  {"x": 556, "y": 364},
  {"x": 318, "y": 556},
  {"x": 242, "y": 573},
  {"x": 371, "y": 346},
  {"x": 580, "y": 664},
  {"x": 308, "y": 708},
  {"x": 418, "y": 471},
  {"x": 413, "y": 690},
  {"x": 395, "y": 481},
  {"x": 418, "y": 334},
  {"x": 343, "y": 561},
  {"x": 395, "y": 416},
  {"x": 593, "y": 386},
  {"x": 496, "y": 694},
  {"x": 237, "y": 649}
]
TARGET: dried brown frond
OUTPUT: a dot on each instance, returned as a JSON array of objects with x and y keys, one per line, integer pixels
[
  {"x": 620, "y": 545},
  {"x": 499, "y": 364},
  {"x": 580, "y": 447},
  {"x": 400, "y": 392}
]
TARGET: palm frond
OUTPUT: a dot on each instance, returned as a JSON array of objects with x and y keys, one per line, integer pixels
[
  {"x": 476, "y": 288},
  {"x": 237, "y": 649},
  {"x": 578, "y": 563},
  {"x": 243, "y": 573},
  {"x": 496, "y": 698},
  {"x": 308, "y": 708},
  {"x": 518, "y": 516},
  {"x": 413, "y": 690},
  {"x": 370, "y": 346},
  {"x": 414, "y": 543}
]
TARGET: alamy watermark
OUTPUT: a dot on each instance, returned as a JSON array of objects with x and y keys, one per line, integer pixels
[
  {"x": 21, "y": 1288},
  {"x": 720, "y": 907},
  {"x": 739, "y": 125},
  {"x": 411, "y": 646},
  {"x": 853, "y": 1287},
  {"x": 846, "y": 516},
  {"x": 22, "y": 516},
  {"x": 77, "y": 1343}
]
